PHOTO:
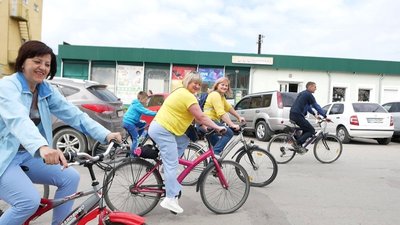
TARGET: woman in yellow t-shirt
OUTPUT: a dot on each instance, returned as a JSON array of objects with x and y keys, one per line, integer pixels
[
  {"x": 168, "y": 131},
  {"x": 217, "y": 108}
]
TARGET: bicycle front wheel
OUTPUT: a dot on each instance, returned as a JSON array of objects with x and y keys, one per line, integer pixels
[
  {"x": 280, "y": 146},
  {"x": 265, "y": 168},
  {"x": 123, "y": 178},
  {"x": 328, "y": 149},
  {"x": 192, "y": 152},
  {"x": 223, "y": 200}
]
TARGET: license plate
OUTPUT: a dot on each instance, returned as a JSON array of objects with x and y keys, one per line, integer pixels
[
  {"x": 120, "y": 113},
  {"x": 374, "y": 120}
]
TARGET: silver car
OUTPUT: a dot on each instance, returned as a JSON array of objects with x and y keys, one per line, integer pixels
[
  {"x": 95, "y": 100},
  {"x": 265, "y": 112},
  {"x": 394, "y": 109}
]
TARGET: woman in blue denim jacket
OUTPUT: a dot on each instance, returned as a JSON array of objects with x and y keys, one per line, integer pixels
[{"x": 27, "y": 102}]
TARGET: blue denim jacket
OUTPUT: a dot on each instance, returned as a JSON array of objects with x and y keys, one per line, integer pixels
[{"x": 17, "y": 128}]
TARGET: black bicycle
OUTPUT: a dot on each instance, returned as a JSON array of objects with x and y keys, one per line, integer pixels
[{"x": 327, "y": 147}]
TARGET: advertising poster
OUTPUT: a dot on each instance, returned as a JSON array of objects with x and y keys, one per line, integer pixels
[
  {"x": 178, "y": 73},
  {"x": 129, "y": 82},
  {"x": 209, "y": 76}
]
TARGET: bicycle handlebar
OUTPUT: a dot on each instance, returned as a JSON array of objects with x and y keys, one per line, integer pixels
[
  {"x": 321, "y": 120},
  {"x": 74, "y": 158}
]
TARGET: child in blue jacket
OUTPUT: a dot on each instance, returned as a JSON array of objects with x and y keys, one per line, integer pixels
[{"x": 131, "y": 120}]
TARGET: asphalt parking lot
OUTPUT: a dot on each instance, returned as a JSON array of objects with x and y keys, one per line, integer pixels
[{"x": 362, "y": 187}]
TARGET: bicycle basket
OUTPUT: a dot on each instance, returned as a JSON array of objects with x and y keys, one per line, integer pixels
[{"x": 147, "y": 151}]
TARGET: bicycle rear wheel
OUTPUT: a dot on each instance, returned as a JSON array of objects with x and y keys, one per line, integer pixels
[
  {"x": 191, "y": 153},
  {"x": 280, "y": 146},
  {"x": 123, "y": 178},
  {"x": 265, "y": 169},
  {"x": 222, "y": 200},
  {"x": 328, "y": 149}
]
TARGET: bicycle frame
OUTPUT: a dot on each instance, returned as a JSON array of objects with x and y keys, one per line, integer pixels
[
  {"x": 189, "y": 166},
  {"x": 91, "y": 207},
  {"x": 317, "y": 135},
  {"x": 85, "y": 209},
  {"x": 231, "y": 145}
]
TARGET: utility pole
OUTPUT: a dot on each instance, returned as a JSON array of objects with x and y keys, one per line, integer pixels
[{"x": 259, "y": 42}]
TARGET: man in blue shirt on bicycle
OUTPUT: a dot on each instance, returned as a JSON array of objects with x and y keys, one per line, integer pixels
[{"x": 304, "y": 103}]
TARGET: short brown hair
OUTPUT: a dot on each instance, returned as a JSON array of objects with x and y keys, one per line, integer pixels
[
  {"x": 142, "y": 95},
  {"x": 32, "y": 49},
  {"x": 309, "y": 83}
]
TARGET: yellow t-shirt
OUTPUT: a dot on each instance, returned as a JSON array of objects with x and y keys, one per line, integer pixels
[
  {"x": 216, "y": 106},
  {"x": 174, "y": 114}
]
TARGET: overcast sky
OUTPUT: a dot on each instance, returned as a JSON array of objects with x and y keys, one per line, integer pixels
[{"x": 358, "y": 29}]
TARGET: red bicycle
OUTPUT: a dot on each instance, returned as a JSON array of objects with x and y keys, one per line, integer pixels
[{"x": 94, "y": 206}]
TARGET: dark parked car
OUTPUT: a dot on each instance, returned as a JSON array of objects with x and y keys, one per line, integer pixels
[
  {"x": 95, "y": 100},
  {"x": 394, "y": 109}
]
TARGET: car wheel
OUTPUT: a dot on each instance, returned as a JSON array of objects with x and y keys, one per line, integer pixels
[
  {"x": 343, "y": 135},
  {"x": 70, "y": 139},
  {"x": 263, "y": 132},
  {"x": 383, "y": 141}
]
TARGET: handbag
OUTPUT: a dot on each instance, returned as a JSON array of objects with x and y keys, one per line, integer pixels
[{"x": 191, "y": 132}]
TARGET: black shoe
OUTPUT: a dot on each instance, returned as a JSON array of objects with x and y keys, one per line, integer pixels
[{"x": 301, "y": 150}]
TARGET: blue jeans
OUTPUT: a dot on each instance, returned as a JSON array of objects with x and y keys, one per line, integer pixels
[
  {"x": 219, "y": 142},
  {"x": 18, "y": 190},
  {"x": 134, "y": 130},
  {"x": 171, "y": 148},
  {"x": 305, "y": 126}
]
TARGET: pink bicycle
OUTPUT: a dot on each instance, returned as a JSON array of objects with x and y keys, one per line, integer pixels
[
  {"x": 138, "y": 185},
  {"x": 94, "y": 205}
]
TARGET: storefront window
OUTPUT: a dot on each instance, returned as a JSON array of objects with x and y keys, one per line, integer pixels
[
  {"x": 104, "y": 73},
  {"x": 339, "y": 94},
  {"x": 156, "y": 78},
  {"x": 239, "y": 79},
  {"x": 363, "y": 95}
]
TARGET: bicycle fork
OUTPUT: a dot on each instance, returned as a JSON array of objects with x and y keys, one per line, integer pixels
[
  {"x": 251, "y": 159},
  {"x": 323, "y": 139}
]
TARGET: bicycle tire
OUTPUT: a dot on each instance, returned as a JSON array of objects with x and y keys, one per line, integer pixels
[
  {"x": 222, "y": 200},
  {"x": 266, "y": 167},
  {"x": 280, "y": 147},
  {"x": 118, "y": 196},
  {"x": 191, "y": 153},
  {"x": 330, "y": 155}
]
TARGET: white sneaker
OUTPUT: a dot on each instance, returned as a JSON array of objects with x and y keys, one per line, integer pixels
[{"x": 171, "y": 204}]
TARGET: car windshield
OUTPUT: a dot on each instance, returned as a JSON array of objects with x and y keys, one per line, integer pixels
[
  {"x": 368, "y": 107},
  {"x": 103, "y": 93}
]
